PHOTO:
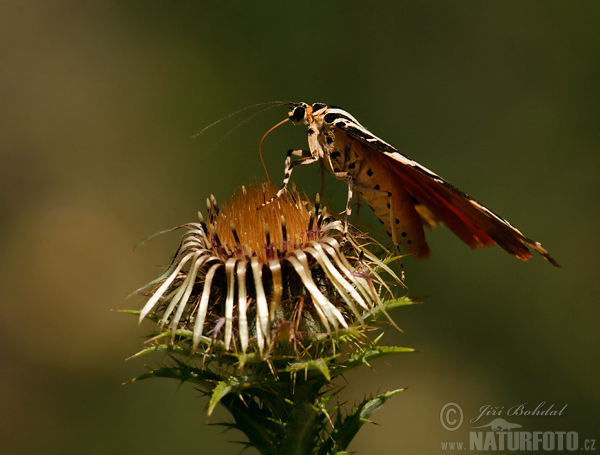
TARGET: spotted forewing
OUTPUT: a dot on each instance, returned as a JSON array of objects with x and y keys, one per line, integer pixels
[{"x": 403, "y": 194}]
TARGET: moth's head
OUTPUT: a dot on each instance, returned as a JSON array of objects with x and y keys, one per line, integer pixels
[
  {"x": 299, "y": 113},
  {"x": 302, "y": 112}
]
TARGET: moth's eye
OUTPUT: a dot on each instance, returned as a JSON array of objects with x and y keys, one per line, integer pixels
[{"x": 298, "y": 114}]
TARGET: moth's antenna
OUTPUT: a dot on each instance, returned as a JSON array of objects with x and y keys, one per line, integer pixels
[
  {"x": 260, "y": 146},
  {"x": 272, "y": 103}
]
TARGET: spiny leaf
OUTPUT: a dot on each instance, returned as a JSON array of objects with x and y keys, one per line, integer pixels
[
  {"x": 395, "y": 303},
  {"x": 320, "y": 364},
  {"x": 221, "y": 389},
  {"x": 363, "y": 357},
  {"x": 182, "y": 373},
  {"x": 169, "y": 348},
  {"x": 133, "y": 312},
  {"x": 342, "y": 335},
  {"x": 346, "y": 427},
  {"x": 372, "y": 405},
  {"x": 377, "y": 312},
  {"x": 234, "y": 385}
]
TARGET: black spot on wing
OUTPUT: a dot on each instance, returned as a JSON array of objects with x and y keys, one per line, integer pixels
[{"x": 318, "y": 106}]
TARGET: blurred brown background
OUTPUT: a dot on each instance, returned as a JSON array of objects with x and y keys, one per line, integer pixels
[{"x": 99, "y": 103}]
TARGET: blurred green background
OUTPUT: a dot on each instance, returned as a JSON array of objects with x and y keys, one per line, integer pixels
[{"x": 99, "y": 103}]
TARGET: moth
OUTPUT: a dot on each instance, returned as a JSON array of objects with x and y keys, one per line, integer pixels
[{"x": 404, "y": 195}]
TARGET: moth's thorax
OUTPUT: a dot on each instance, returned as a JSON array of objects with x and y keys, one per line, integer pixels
[
  {"x": 317, "y": 143},
  {"x": 337, "y": 150}
]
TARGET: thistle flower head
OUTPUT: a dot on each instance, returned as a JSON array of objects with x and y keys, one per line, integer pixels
[
  {"x": 250, "y": 277},
  {"x": 261, "y": 292}
]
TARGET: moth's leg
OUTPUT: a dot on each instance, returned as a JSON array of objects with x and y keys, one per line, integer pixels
[
  {"x": 300, "y": 153},
  {"x": 306, "y": 159},
  {"x": 350, "y": 181}
]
